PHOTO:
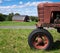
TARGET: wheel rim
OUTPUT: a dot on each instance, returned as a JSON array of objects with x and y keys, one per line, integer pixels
[{"x": 40, "y": 41}]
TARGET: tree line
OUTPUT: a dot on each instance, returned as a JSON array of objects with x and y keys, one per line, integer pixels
[{"x": 8, "y": 17}]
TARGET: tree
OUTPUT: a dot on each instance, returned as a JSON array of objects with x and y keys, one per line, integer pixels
[
  {"x": 2, "y": 18},
  {"x": 34, "y": 18},
  {"x": 17, "y": 14},
  {"x": 9, "y": 17}
]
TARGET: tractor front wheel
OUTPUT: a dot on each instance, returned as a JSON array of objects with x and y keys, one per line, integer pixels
[{"x": 40, "y": 39}]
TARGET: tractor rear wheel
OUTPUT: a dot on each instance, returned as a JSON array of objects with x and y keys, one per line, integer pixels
[{"x": 40, "y": 39}]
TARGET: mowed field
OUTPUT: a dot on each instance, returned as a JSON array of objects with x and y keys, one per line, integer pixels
[
  {"x": 14, "y": 23},
  {"x": 16, "y": 41}
]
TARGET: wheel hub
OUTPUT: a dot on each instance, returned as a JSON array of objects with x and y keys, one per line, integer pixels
[{"x": 40, "y": 42}]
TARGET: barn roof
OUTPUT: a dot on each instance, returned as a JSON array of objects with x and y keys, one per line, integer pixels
[{"x": 19, "y": 17}]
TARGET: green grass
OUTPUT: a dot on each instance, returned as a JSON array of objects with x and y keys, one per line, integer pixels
[
  {"x": 16, "y": 41},
  {"x": 12, "y": 23}
]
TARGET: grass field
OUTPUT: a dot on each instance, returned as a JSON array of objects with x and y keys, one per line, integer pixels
[
  {"x": 16, "y": 41},
  {"x": 11, "y": 23}
]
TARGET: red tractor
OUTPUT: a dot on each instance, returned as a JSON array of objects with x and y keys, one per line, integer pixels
[{"x": 49, "y": 16}]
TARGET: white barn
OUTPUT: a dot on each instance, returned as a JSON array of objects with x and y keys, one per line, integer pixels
[{"x": 21, "y": 18}]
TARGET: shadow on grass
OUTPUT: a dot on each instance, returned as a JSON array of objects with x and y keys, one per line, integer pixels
[{"x": 56, "y": 45}]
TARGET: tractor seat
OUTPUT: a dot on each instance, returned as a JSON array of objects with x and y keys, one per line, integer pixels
[{"x": 57, "y": 21}]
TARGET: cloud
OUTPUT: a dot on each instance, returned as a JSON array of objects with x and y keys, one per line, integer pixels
[
  {"x": 28, "y": 8},
  {"x": 20, "y": 2},
  {"x": 0, "y": 1},
  {"x": 23, "y": 11},
  {"x": 46, "y": 1},
  {"x": 4, "y": 0},
  {"x": 8, "y": 7},
  {"x": 34, "y": 3},
  {"x": 7, "y": 11},
  {"x": 30, "y": 11},
  {"x": 28, "y": 4}
]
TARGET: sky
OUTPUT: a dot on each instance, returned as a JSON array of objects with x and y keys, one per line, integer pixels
[{"x": 23, "y": 7}]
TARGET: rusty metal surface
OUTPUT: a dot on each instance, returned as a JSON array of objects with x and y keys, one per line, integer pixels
[
  {"x": 45, "y": 10},
  {"x": 51, "y": 25}
]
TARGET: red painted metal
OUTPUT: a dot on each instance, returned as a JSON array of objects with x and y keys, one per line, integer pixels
[
  {"x": 45, "y": 12},
  {"x": 40, "y": 43}
]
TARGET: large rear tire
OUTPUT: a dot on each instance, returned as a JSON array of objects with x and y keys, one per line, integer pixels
[{"x": 40, "y": 39}]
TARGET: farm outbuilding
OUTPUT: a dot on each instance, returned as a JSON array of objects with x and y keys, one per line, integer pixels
[{"x": 21, "y": 18}]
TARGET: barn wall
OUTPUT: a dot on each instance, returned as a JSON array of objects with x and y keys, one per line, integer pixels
[{"x": 19, "y": 20}]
